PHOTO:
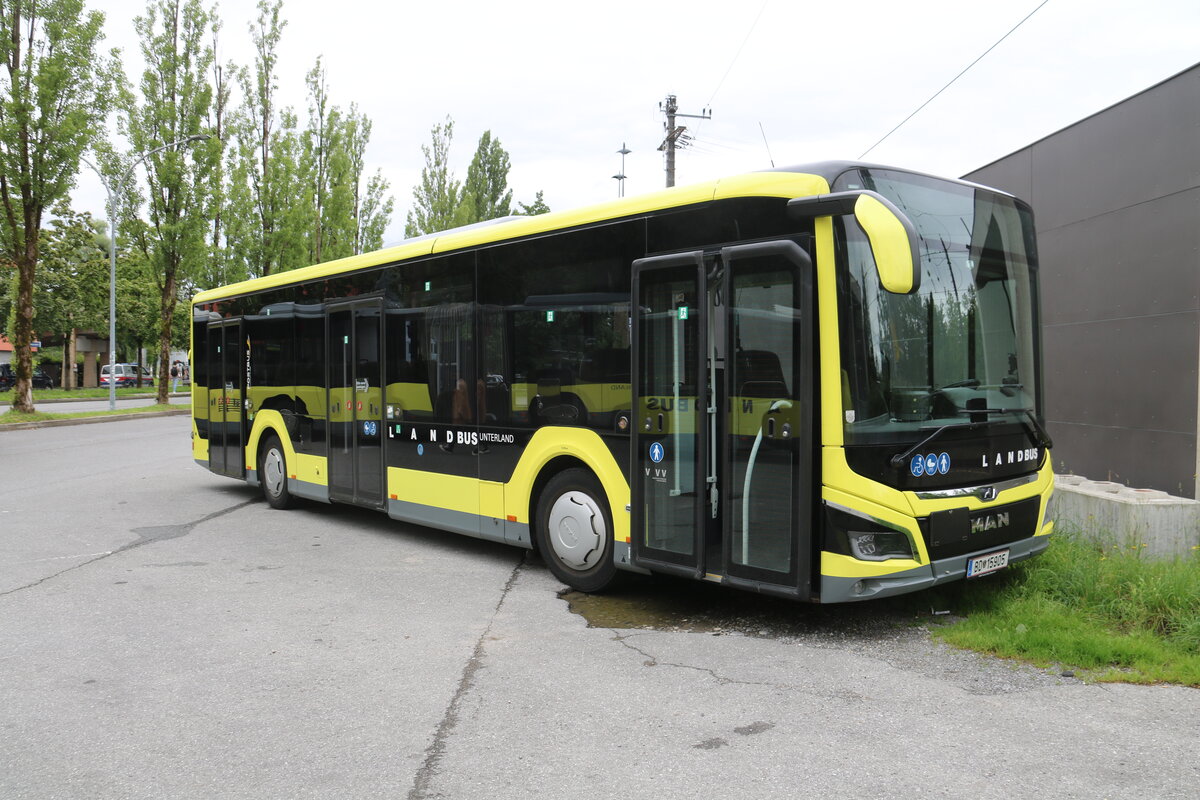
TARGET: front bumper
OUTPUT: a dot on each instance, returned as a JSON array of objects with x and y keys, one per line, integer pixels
[{"x": 845, "y": 590}]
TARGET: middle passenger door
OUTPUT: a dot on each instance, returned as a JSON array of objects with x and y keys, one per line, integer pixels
[
  {"x": 356, "y": 469},
  {"x": 723, "y": 416}
]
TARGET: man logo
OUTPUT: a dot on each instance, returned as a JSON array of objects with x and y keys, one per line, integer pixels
[
  {"x": 990, "y": 522},
  {"x": 988, "y": 494}
]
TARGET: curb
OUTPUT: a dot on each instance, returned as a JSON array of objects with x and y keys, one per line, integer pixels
[{"x": 65, "y": 423}]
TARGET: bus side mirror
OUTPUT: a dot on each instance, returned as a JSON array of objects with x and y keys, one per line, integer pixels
[{"x": 891, "y": 234}]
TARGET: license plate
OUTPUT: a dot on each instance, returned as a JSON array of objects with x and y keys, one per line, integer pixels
[{"x": 985, "y": 564}]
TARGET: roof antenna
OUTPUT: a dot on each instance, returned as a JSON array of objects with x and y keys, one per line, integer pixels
[{"x": 767, "y": 145}]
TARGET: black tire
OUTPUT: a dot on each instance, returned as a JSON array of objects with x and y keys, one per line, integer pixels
[
  {"x": 273, "y": 474},
  {"x": 574, "y": 531}
]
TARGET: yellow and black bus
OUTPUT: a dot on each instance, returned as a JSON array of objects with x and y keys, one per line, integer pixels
[{"x": 821, "y": 382}]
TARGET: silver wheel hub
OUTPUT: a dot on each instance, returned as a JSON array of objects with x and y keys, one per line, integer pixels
[
  {"x": 577, "y": 530},
  {"x": 273, "y": 476}
]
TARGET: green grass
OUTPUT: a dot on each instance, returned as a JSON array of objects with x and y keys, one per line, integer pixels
[
  {"x": 40, "y": 395},
  {"x": 16, "y": 416},
  {"x": 1101, "y": 610}
]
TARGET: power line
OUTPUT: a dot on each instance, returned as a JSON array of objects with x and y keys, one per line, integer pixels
[
  {"x": 956, "y": 77},
  {"x": 753, "y": 25}
]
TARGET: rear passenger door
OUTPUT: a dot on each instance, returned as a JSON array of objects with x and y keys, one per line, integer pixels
[{"x": 356, "y": 425}]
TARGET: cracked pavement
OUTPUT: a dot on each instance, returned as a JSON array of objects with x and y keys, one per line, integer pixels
[{"x": 163, "y": 634}]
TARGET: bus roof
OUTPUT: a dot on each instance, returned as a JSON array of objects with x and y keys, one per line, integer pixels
[{"x": 788, "y": 182}]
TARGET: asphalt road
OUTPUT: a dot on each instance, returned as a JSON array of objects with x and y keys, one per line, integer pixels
[{"x": 164, "y": 634}]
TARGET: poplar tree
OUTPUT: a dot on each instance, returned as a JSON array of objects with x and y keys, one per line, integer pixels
[
  {"x": 486, "y": 191},
  {"x": 220, "y": 267},
  {"x": 372, "y": 205},
  {"x": 267, "y": 218},
  {"x": 55, "y": 92},
  {"x": 175, "y": 101},
  {"x": 437, "y": 199},
  {"x": 538, "y": 206},
  {"x": 321, "y": 141}
]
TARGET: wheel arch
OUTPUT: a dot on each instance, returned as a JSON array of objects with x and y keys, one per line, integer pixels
[
  {"x": 266, "y": 424},
  {"x": 553, "y": 450}
]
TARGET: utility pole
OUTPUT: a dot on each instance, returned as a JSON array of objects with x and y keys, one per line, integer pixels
[{"x": 677, "y": 135}]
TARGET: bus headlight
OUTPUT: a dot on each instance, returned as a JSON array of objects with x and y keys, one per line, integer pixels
[
  {"x": 878, "y": 545},
  {"x": 864, "y": 539}
]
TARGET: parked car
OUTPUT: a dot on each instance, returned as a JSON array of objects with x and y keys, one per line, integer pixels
[
  {"x": 8, "y": 378},
  {"x": 126, "y": 375}
]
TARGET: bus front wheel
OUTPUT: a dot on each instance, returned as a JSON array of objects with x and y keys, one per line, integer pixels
[
  {"x": 575, "y": 531},
  {"x": 272, "y": 474}
]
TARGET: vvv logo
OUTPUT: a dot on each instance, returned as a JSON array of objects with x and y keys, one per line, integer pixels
[{"x": 659, "y": 475}]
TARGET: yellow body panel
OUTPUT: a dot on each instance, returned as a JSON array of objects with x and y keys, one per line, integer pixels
[
  {"x": 491, "y": 499},
  {"x": 199, "y": 445},
  {"x": 836, "y": 565},
  {"x": 450, "y": 492}
]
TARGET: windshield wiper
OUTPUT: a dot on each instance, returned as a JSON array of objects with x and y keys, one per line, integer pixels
[
  {"x": 1030, "y": 422},
  {"x": 900, "y": 458},
  {"x": 1040, "y": 432}
]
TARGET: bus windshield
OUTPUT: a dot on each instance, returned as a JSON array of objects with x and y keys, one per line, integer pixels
[{"x": 963, "y": 348}]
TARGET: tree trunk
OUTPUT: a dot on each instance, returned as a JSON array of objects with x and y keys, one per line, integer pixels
[
  {"x": 167, "y": 309},
  {"x": 69, "y": 362},
  {"x": 23, "y": 390}
]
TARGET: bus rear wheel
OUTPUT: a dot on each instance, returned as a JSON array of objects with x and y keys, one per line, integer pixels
[
  {"x": 273, "y": 475},
  {"x": 575, "y": 531}
]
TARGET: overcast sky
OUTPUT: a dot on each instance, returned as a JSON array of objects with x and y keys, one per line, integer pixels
[{"x": 564, "y": 84}]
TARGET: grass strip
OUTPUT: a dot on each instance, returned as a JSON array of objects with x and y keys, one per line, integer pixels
[
  {"x": 1099, "y": 608},
  {"x": 99, "y": 393},
  {"x": 38, "y": 416}
]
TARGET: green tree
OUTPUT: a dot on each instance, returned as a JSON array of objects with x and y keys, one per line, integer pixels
[
  {"x": 322, "y": 140},
  {"x": 55, "y": 92},
  {"x": 221, "y": 269},
  {"x": 538, "y": 206},
  {"x": 346, "y": 215},
  {"x": 266, "y": 221},
  {"x": 72, "y": 287},
  {"x": 374, "y": 214},
  {"x": 138, "y": 290},
  {"x": 437, "y": 199},
  {"x": 368, "y": 206},
  {"x": 485, "y": 192},
  {"x": 175, "y": 100}
]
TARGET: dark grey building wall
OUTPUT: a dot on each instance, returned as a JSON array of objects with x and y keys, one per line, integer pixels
[{"x": 1117, "y": 203}]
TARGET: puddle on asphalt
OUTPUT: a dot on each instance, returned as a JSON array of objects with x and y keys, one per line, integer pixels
[{"x": 670, "y": 604}]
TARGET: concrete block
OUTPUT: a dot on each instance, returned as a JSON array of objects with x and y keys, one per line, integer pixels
[{"x": 1158, "y": 524}]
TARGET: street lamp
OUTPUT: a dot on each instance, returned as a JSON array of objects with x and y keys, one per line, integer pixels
[
  {"x": 620, "y": 176},
  {"x": 113, "y": 196}
]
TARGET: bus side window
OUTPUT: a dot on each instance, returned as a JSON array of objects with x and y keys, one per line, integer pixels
[
  {"x": 444, "y": 290},
  {"x": 555, "y": 344}
]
